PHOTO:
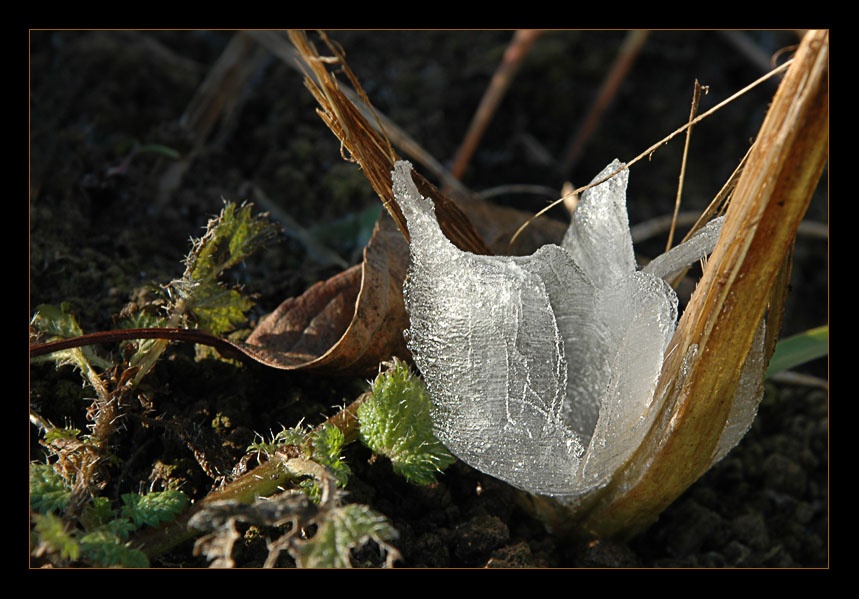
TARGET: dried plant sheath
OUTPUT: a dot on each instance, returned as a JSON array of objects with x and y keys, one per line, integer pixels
[
  {"x": 372, "y": 152},
  {"x": 732, "y": 298},
  {"x": 561, "y": 373}
]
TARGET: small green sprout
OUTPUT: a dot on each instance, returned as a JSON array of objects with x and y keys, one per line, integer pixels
[
  {"x": 322, "y": 446},
  {"x": 59, "y": 323},
  {"x": 327, "y": 443},
  {"x": 396, "y": 422},
  {"x": 154, "y": 508}
]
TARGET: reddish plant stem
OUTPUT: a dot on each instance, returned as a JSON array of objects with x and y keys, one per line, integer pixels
[
  {"x": 172, "y": 334},
  {"x": 510, "y": 63},
  {"x": 611, "y": 84}
]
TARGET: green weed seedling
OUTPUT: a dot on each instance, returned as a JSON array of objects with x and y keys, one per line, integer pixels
[
  {"x": 395, "y": 422},
  {"x": 72, "y": 523},
  {"x": 99, "y": 535}
]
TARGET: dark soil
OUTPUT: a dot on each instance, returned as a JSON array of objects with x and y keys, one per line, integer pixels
[{"x": 100, "y": 236}]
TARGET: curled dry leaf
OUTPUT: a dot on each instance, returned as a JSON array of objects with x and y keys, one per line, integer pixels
[{"x": 347, "y": 324}]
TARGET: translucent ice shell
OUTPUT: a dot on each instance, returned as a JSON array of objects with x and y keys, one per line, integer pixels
[{"x": 543, "y": 368}]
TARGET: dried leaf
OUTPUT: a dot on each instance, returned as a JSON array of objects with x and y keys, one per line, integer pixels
[{"x": 347, "y": 324}]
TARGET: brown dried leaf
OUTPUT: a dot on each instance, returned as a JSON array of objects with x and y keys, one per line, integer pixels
[{"x": 347, "y": 324}]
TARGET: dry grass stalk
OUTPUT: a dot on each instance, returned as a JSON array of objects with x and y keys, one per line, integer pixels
[
  {"x": 649, "y": 151},
  {"x": 501, "y": 80},
  {"x": 696, "y": 99},
  {"x": 744, "y": 282},
  {"x": 626, "y": 56},
  {"x": 373, "y": 152},
  {"x": 275, "y": 43}
]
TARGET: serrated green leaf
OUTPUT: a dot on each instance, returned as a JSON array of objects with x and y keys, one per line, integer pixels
[
  {"x": 51, "y": 532},
  {"x": 231, "y": 237},
  {"x": 343, "y": 529},
  {"x": 154, "y": 508},
  {"x": 396, "y": 422},
  {"x": 59, "y": 323},
  {"x": 327, "y": 443},
  {"x": 48, "y": 490},
  {"x": 56, "y": 321},
  {"x": 106, "y": 549},
  {"x": 219, "y": 310}
]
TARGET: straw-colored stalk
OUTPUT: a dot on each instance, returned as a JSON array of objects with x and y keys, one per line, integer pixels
[{"x": 744, "y": 282}]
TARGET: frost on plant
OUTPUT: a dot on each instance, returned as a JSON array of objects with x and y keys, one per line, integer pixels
[{"x": 543, "y": 368}]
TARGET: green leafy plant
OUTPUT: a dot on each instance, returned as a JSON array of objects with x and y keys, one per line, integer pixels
[
  {"x": 322, "y": 445},
  {"x": 395, "y": 421},
  {"x": 392, "y": 418},
  {"x": 198, "y": 299},
  {"x": 154, "y": 508},
  {"x": 71, "y": 521},
  {"x": 48, "y": 490},
  {"x": 98, "y": 534}
]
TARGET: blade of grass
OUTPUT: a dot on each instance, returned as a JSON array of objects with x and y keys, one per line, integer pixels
[{"x": 799, "y": 349}]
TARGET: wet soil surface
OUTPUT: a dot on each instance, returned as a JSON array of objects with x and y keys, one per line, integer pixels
[{"x": 103, "y": 230}]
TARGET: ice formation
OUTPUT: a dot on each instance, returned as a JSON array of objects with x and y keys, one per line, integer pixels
[{"x": 543, "y": 368}]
